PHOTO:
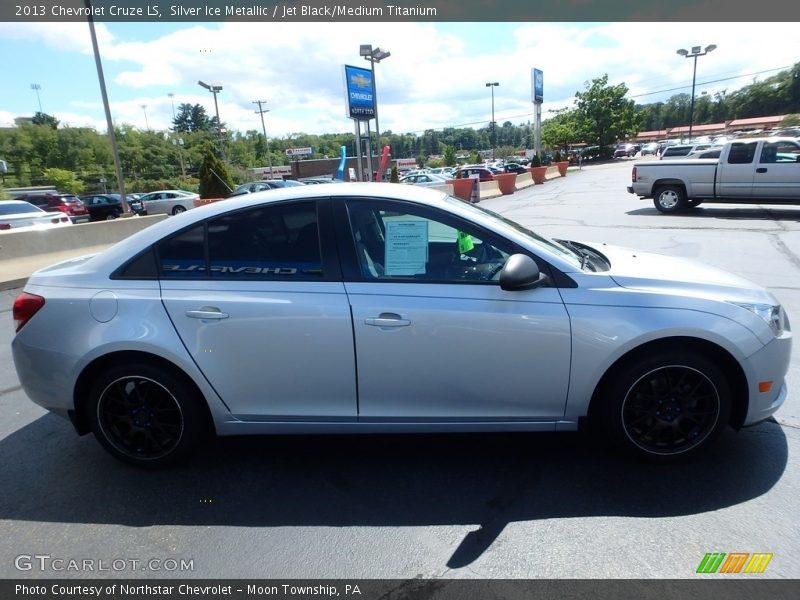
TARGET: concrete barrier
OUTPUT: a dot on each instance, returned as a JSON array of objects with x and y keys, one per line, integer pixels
[{"x": 23, "y": 252}]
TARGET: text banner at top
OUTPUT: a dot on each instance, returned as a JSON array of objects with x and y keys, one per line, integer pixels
[{"x": 653, "y": 11}]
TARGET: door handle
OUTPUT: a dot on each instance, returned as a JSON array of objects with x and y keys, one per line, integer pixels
[
  {"x": 761, "y": 170},
  {"x": 207, "y": 312},
  {"x": 387, "y": 320}
]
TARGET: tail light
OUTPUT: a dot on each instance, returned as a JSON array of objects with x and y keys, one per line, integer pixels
[
  {"x": 63, "y": 208},
  {"x": 25, "y": 306},
  {"x": 633, "y": 175}
]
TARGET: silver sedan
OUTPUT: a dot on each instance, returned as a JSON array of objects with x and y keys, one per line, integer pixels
[
  {"x": 170, "y": 202},
  {"x": 358, "y": 308}
]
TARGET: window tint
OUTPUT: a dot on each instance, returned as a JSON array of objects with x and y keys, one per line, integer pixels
[
  {"x": 183, "y": 255},
  {"x": 742, "y": 153},
  {"x": 396, "y": 242},
  {"x": 272, "y": 242}
]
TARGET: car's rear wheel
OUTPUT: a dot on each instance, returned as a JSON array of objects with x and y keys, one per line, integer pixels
[
  {"x": 667, "y": 406},
  {"x": 670, "y": 199},
  {"x": 111, "y": 216},
  {"x": 145, "y": 415},
  {"x": 178, "y": 210}
]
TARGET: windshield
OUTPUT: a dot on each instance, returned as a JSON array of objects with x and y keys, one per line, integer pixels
[{"x": 546, "y": 244}]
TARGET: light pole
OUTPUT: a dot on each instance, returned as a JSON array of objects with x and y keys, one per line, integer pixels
[
  {"x": 36, "y": 87},
  {"x": 261, "y": 111},
  {"x": 492, "y": 86},
  {"x": 694, "y": 53},
  {"x": 374, "y": 55},
  {"x": 214, "y": 89},
  {"x": 146, "y": 124}
]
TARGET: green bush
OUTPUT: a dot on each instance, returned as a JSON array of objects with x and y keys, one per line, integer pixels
[
  {"x": 215, "y": 181},
  {"x": 395, "y": 177},
  {"x": 557, "y": 156},
  {"x": 536, "y": 161}
]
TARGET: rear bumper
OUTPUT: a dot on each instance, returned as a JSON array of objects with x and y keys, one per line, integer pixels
[{"x": 630, "y": 189}]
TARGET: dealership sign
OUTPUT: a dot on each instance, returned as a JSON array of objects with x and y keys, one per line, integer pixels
[
  {"x": 360, "y": 93},
  {"x": 537, "y": 85},
  {"x": 298, "y": 151}
]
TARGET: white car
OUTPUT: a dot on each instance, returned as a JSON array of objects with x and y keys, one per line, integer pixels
[
  {"x": 170, "y": 202},
  {"x": 16, "y": 215},
  {"x": 424, "y": 179},
  {"x": 369, "y": 307}
]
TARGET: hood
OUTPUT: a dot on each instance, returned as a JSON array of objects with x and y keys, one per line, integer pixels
[{"x": 646, "y": 271}]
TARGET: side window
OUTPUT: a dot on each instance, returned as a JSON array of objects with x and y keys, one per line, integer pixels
[
  {"x": 278, "y": 242},
  {"x": 787, "y": 152},
  {"x": 396, "y": 242},
  {"x": 742, "y": 153},
  {"x": 769, "y": 153},
  {"x": 182, "y": 256}
]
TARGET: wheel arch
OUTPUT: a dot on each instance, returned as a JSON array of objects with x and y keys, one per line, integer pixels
[
  {"x": 728, "y": 365},
  {"x": 83, "y": 384}
]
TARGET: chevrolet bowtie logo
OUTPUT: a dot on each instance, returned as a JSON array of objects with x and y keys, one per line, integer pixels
[{"x": 359, "y": 81}]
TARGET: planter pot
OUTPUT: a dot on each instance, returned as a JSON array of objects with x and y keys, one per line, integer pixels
[
  {"x": 538, "y": 174},
  {"x": 462, "y": 188},
  {"x": 506, "y": 182},
  {"x": 562, "y": 167}
]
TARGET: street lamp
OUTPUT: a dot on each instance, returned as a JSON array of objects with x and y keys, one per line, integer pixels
[
  {"x": 694, "y": 53},
  {"x": 374, "y": 55},
  {"x": 214, "y": 89},
  {"x": 146, "y": 124},
  {"x": 36, "y": 87},
  {"x": 493, "y": 85}
]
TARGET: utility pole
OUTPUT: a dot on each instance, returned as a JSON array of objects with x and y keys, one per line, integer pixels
[{"x": 261, "y": 110}]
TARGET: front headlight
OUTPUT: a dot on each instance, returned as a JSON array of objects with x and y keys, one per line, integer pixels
[{"x": 772, "y": 314}]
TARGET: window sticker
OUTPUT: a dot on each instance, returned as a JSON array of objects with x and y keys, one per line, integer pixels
[
  {"x": 406, "y": 247},
  {"x": 465, "y": 243}
]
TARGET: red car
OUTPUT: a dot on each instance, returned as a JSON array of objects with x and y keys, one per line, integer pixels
[
  {"x": 483, "y": 173},
  {"x": 68, "y": 204}
]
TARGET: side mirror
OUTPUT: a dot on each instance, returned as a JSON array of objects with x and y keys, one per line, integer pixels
[{"x": 521, "y": 273}]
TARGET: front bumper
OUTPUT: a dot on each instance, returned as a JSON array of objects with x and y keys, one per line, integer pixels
[{"x": 771, "y": 363}]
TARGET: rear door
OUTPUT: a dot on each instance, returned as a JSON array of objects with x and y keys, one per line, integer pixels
[
  {"x": 265, "y": 316},
  {"x": 778, "y": 171},
  {"x": 736, "y": 170}
]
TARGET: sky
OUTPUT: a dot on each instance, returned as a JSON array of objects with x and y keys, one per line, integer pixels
[{"x": 435, "y": 77}]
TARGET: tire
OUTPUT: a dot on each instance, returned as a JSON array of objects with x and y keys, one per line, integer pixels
[
  {"x": 145, "y": 415},
  {"x": 111, "y": 216},
  {"x": 666, "y": 406},
  {"x": 670, "y": 199},
  {"x": 178, "y": 210}
]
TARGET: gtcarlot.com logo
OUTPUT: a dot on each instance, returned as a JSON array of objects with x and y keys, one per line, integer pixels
[
  {"x": 46, "y": 562},
  {"x": 735, "y": 562}
]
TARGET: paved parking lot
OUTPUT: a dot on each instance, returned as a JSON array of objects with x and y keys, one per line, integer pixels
[{"x": 462, "y": 506}]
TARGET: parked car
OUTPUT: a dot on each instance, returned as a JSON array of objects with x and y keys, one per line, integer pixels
[
  {"x": 424, "y": 179},
  {"x": 103, "y": 207},
  {"x": 483, "y": 173},
  {"x": 18, "y": 215},
  {"x": 191, "y": 326},
  {"x": 515, "y": 168},
  {"x": 649, "y": 149},
  {"x": 171, "y": 202},
  {"x": 749, "y": 170},
  {"x": 625, "y": 150},
  {"x": 318, "y": 180},
  {"x": 69, "y": 204},
  {"x": 682, "y": 151},
  {"x": 263, "y": 185},
  {"x": 711, "y": 153}
]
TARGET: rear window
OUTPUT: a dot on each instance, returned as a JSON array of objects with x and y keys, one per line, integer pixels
[
  {"x": 13, "y": 208},
  {"x": 677, "y": 151},
  {"x": 70, "y": 199}
]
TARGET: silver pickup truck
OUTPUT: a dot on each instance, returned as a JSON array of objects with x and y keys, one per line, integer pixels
[{"x": 754, "y": 170}]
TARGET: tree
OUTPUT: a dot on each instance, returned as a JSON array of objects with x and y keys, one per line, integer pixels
[
  {"x": 65, "y": 181},
  {"x": 449, "y": 156},
  {"x": 215, "y": 181},
  {"x": 603, "y": 113},
  {"x": 191, "y": 117},
  {"x": 41, "y": 118}
]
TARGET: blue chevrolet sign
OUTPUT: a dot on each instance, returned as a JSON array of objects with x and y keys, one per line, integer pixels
[{"x": 360, "y": 93}]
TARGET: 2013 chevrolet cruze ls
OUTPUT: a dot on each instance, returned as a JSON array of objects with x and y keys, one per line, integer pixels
[{"x": 384, "y": 308}]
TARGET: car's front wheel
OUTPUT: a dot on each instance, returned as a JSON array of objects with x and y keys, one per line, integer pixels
[
  {"x": 145, "y": 415},
  {"x": 670, "y": 199},
  {"x": 667, "y": 405}
]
